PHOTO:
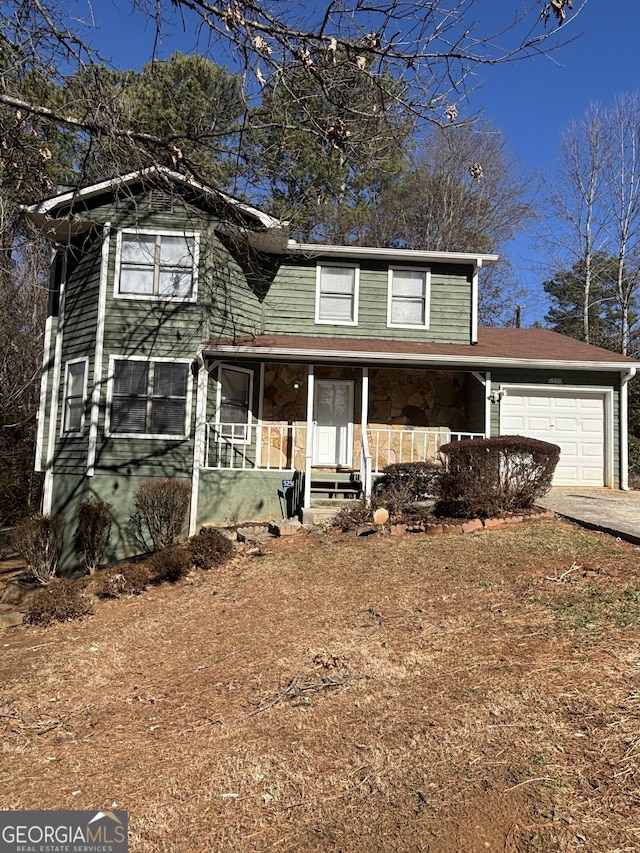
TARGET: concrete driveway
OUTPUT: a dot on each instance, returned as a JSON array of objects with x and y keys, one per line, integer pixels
[{"x": 609, "y": 510}]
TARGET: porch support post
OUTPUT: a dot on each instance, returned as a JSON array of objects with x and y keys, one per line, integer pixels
[
  {"x": 260, "y": 420},
  {"x": 310, "y": 437},
  {"x": 624, "y": 427},
  {"x": 199, "y": 439},
  {"x": 487, "y": 405},
  {"x": 365, "y": 472}
]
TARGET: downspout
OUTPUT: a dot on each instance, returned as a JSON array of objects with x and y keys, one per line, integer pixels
[
  {"x": 306, "y": 504},
  {"x": 625, "y": 377},
  {"x": 474, "y": 300},
  {"x": 96, "y": 390},
  {"x": 47, "y": 492}
]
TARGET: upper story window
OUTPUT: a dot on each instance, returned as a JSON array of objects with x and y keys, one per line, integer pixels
[
  {"x": 234, "y": 403},
  {"x": 337, "y": 294},
  {"x": 408, "y": 299},
  {"x": 75, "y": 393},
  {"x": 149, "y": 398},
  {"x": 160, "y": 265}
]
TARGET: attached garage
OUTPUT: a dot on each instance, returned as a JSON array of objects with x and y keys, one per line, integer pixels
[{"x": 575, "y": 419}]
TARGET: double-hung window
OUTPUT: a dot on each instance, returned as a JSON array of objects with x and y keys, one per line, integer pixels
[
  {"x": 157, "y": 266},
  {"x": 337, "y": 294},
  {"x": 75, "y": 392},
  {"x": 149, "y": 398},
  {"x": 234, "y": 403},
  {"x": 408, "y": 299}
]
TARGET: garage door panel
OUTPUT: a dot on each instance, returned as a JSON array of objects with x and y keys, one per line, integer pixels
[{"x": 575, "y": 424}]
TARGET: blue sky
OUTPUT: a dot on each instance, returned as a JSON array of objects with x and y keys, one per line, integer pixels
[{"x": 531, "y": 101}]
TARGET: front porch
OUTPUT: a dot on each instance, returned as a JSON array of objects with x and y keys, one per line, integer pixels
[{"x": 325, "y": 431}]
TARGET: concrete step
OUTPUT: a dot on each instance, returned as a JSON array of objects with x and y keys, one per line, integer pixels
[{"x": 323, "y": 511}]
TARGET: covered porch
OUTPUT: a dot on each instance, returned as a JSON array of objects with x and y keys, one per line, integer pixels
[{"x": 313, "y": 424}]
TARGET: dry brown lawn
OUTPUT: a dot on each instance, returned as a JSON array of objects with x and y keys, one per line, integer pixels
[{"x": 452, "y": 693}]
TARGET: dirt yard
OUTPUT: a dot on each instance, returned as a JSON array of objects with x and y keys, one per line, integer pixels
[{"x": 451, "y": 694}]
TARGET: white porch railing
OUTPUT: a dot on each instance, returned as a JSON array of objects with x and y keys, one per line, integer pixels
[
  {"x": 388, "y": 446},
  {"x": 244, "y": 447},
  {"x": 365, "y": 466}
]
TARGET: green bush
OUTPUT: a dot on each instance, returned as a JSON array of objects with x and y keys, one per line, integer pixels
[
  {"x": 95, "y": 518},
  {"x": 493, "y": 476},
  {"x": 124, "y": 579},
  {"x": 170, "y": 565},
  {"x": 38, "y": 540},
  {"x": 403, "y": 484},
  {"x": 209, "y": 549},
  {"x": 159, "y": 512},
  {"x": 60, "y": 601}
]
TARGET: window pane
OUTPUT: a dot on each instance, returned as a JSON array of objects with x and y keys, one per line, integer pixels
[
  {"x": 170, "y": 380},
  {"x": 176, "y": 251},
  {"x": 408, "y": 312},
  {"x": 407, "y": 283},
  {"x": 75, "y": 379},
  {"x": 336, "y": 307},
  {"x": 136, "y": 279},
  {"x": 337, "y": 280},
  {"x": 73, "y": 417},
  {"x": 130, "y": 377},
  {"x": 167, "y": 417},
  {"x": 140, "y": 248},
  {"x": 175, "y": 282},
  {"x": 128, "y": 414}
]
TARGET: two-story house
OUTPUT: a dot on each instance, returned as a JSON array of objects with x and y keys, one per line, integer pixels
[{"x": 188, "y": 337}]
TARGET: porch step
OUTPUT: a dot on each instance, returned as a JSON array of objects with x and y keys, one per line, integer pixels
[
  {"x": 336, "y": 488},
  {"x": 325, "y": 512}
]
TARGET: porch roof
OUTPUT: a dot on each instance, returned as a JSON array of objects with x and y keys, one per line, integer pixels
[{"x": 533, "y": 348}]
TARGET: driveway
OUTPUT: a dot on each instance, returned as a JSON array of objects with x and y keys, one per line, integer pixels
[{"x": 609, "y": 510}]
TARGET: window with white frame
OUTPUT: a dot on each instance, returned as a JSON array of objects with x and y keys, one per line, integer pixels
[
  {"x": 408, "y": 300},
  {"x": 75, "y": 390},
  {"x": 337, "y": 294},
  {"x": 234, "y": 403},
  {"x": 161, "y": 265},
  {"x": 149, "y": 398}
]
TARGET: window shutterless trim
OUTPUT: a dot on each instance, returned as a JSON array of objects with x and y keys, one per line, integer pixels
[
  {"x": 354, "y": 296},
  {"x": 157, "y": 297},
  {"x": 426, "y": 298},
  {"x": 147, "y": 435},
  {"x": 64, "y": 430}
]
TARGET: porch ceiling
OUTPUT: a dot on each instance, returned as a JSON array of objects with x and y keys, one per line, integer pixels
[{"x": 539, "y": 348}]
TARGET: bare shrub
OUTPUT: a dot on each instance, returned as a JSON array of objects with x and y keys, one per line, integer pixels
[
  {"x": 170, "y": 565},
  {"x": 403, "y": 484},
  {"x": 95, "y": 518},
  {"x": 61, "y": 601},
  {"x": 38, "y": 540},
  {"x": 209, "y": 549},
  {"x": 352, "y": 517},
  {"x": 125, "y": 579},
  {"x": 159, "y": 511},
  {"x": 493, "y": 476}
]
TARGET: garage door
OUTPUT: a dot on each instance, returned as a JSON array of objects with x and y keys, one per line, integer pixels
[{"x": 575, "y": 424}]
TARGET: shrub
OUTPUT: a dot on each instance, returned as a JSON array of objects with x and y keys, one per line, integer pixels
[
  {"x": 352, "y": 517},
  {"x": 491, "y": 476},
  {"x": 95, "y": 518},
  {"x": 209, "y": 549},
  {"x": 169, "y": 565},
  {"x": 125, "y": 579},
  {"x": 60, "y": 601},
  {"x": 405, "y": 483},
  {"x": 159, "y": 511},
  {"x": 38, "y": 540},
  {"x": 634, "y": 462}
]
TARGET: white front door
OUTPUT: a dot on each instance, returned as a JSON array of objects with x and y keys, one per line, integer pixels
[{"x": 333, "y": 417}]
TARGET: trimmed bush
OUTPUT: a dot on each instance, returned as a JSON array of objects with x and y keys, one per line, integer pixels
[
  {"x": 170, "y": 565},
  {"x": 493, "y": 476},
  {"x": 95, "y": 518},
  {"x": 38, "y": 540},
  {"x": 61, "y": 601},
  {"x": 209, "y": 549},
  {"x": 405, "y": 483},
  {"x": 159, "y": 512},
  {"x": 125, "y": 579}
]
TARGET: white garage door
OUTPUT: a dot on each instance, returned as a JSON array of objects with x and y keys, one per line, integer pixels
[{"x": 575, "y": 424}]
